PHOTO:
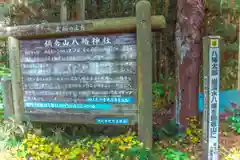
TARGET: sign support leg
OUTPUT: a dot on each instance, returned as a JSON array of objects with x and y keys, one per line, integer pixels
[{"x": 144, "y": 63}]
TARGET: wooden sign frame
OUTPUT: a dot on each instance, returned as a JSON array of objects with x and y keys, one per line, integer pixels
[{"x": 143, "y": 24}]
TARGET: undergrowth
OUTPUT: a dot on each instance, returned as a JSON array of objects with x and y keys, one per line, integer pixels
[
  {"x": 21, "y": 141},
  {"x": 234, "y": 119}
]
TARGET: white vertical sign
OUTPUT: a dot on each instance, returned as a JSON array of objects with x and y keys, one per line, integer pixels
[{"x": 214, "y": 85}]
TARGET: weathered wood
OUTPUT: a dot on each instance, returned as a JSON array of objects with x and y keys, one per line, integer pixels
[
  {"x": 7, "y": 98},
  {"x": 14, "y": 61},
  {"x": 63, "y": 11},
  {"x": 144, "y": 46},
  {"x": 80, "y": 9},
  {"x": 112, "y": 25}
]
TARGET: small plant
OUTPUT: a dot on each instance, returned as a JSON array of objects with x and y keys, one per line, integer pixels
[
  {"x": 235, "y": 123},
  {"x": 4, "y": 71},
  {"x": 9, "y": 132},
  {"x": 172, "y": 154},
  {"x": 230, "y": 154},
  {"x": 229, "y": 74},
  {"x": 9, "y": 129},
  {"x": 234, "y": 119},
  {"x": 194, "y": 131},
  {"x": 163, "y": 93}
]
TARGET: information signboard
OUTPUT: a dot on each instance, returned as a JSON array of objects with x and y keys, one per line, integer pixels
[{"x": 88, "y": 79}]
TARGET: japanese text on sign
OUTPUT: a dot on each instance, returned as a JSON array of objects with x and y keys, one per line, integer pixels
[
  {"x": 214, "y": 83},
  {"x": 83, "y": 73}
]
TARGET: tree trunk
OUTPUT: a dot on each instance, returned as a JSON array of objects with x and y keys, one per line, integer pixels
[
  {"x": 190, "y": 19},
  {"x": 80, "y": 10},
  {"x": 63, "y": 11}
]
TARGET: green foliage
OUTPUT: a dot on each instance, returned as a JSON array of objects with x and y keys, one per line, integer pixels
[
  {"x": 158, "y": 90},
  {"x": 121, "y": 147},
  {"x": 194, "y": 131},
  {"x": 10, "y": 135},
  {"x": 226, "y": 30},
  {"x": 172, "y": 154},
  {"x": 168, "y": 131},
  {"x": 226, "y": 5},
  {"x": 10, "y": 129},
  {"x": 231, "y": 47},
  {"x": 4, "y": 71},
  {"x": 235, "y": 120},
  {"x": 163, "y": 91},
  {"x": 4, "y": 74},
  {"x": 228, "y": 73}
]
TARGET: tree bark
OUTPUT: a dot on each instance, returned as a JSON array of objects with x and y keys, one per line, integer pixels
[{"x": 190, "y": 19}]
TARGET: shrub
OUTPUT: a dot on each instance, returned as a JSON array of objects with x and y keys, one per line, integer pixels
[
  {"x": 39, "y": 147},
  {"x": 194, "y": 131},
  {"x": 235, "y": 119}
]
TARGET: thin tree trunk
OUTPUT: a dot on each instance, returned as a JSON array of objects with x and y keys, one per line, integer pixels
[
  {"x": 63, "y": 11},
  {"x": 190, "y": 19},
  {"x": 80, "y": 9}
]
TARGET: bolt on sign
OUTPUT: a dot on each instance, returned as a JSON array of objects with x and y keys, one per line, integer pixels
[{"x": 211, "y": 62}]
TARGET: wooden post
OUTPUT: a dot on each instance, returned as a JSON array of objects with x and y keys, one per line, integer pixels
[
  {"x": 63, "y": 11},
  {"x": 14, "y": 61},
  {"x": 7, "y": 98},
  {"x": 80, "y": 9},
  {"x": 144, "y": 49},
  {"x": 211, "y": 70}
]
